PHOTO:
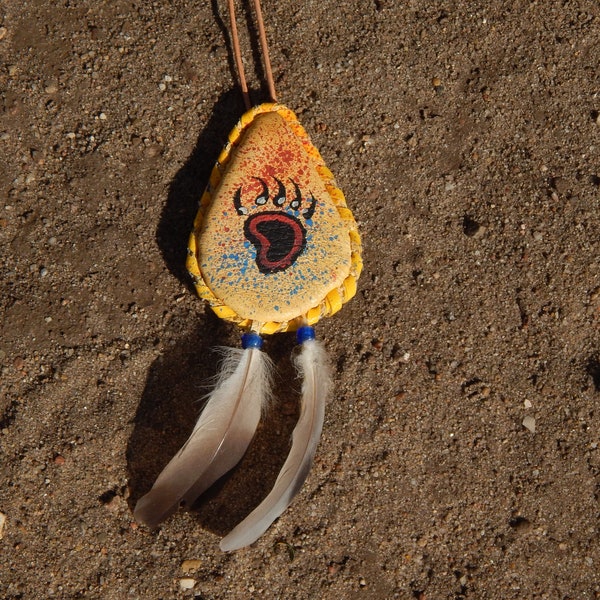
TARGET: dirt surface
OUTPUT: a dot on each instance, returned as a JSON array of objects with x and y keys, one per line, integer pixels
[{"x": 459, "y": 457}]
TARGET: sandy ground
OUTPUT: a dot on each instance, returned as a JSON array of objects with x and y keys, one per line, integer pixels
[{"x": 466, "y": 136}]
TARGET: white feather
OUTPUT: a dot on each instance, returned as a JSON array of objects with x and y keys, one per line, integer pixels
[
  {"x": 313, "y": 366},
  {"x": 220, "y": 437}
]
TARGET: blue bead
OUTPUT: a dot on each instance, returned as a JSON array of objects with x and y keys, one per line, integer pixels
[
  {"x": 251, "y": 340},
  {"x": 304, "y": 334}
]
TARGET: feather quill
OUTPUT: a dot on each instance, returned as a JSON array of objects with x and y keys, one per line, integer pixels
[
  {"x": 219, "y": 439},
  {"x": 313, "y": 366}
]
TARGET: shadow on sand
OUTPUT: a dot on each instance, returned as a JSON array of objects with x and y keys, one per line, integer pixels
[{"x": 169, "y": 408}]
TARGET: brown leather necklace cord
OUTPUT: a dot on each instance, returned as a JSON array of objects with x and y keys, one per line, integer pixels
[{"x": 235, "y": 39}]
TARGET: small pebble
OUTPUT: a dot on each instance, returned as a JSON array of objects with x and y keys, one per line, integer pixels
[
  {"x": 152, "y": 151},
  {"x": 3, "y": 32},
  {"x": 43, "y": 272},
  {"x": 472, "y": 228},
  {"x": 2, "y": 524},
  {"x": 521, "y": 525},
  {"x": 527, "y": 404},
  {"x": 377, "y": 344},
  {"x": 51, "y": 88},
  {"x": 560, "y": 184},
  {"x": 529, "y": 423},
  {"x": 187, "y": 583},
  {"x": 190, "y": 565},
  {"x": 115, "y": 504}
]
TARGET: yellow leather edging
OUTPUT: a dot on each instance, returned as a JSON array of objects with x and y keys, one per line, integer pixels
[{"x": 335, "y": 299}]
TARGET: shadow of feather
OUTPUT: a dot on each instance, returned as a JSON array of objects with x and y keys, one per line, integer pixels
[
  {"x": 170, "y": 403},
  {"x": 170, "y": 406}
]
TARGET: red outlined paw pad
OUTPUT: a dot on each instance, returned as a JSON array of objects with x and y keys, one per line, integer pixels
[{"x": 278, "y": 236}]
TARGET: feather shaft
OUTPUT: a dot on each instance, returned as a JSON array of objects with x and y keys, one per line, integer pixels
[
  {"x": 312, "y": 365},
  {"x": 219, "y": 439}
]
